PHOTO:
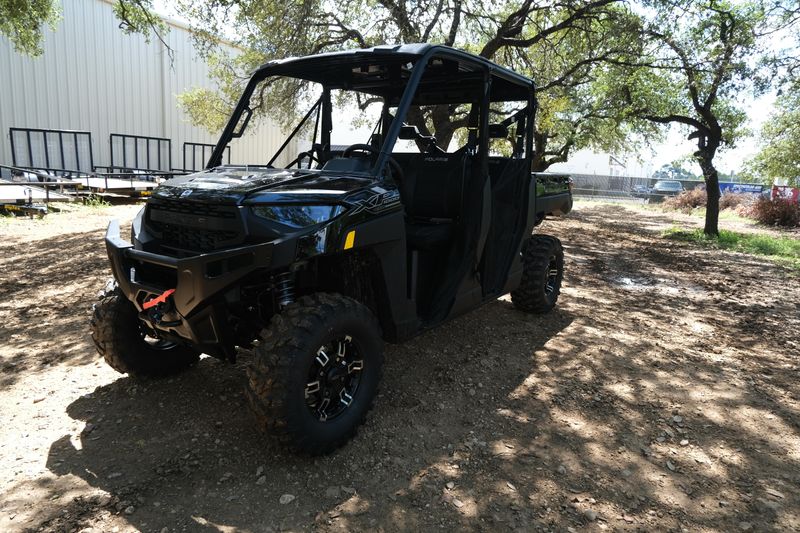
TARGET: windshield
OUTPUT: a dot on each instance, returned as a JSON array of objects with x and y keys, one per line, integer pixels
[{"x": 297, "y": 107}]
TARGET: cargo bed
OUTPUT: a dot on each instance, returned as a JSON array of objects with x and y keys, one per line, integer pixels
[{"x": 553, "y": 194}]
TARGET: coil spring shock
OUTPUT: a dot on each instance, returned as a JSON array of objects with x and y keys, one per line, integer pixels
[{"x": 284, "y": 289}]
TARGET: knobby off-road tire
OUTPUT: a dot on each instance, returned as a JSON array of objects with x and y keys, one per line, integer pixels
[
  {"x": 318, "y": 345},
  {"x": 122, "y": 340},
  {"x": 543, "y": 270}
]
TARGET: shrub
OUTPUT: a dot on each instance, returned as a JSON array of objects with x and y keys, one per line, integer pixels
[
  {"x": 732, "y": 200},
  {"x": 775, "y": 212},
  {"x": 686, "y": 200}
]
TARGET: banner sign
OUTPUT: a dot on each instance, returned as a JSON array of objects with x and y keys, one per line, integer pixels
[
  {"x": 741, "y": 188},
  {"x": 784, "y": 191}
]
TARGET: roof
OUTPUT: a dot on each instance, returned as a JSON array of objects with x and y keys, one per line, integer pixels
[{"x": 451, "y": 75}]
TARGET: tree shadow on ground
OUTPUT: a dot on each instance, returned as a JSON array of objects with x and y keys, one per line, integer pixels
[
  {"x": 47, "y": 288},
  {"x": 180, "y": 448},
  {"x": 667, "y": 403}
]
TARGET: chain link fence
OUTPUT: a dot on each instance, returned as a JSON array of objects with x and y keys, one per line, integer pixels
[{"x": 617, "y": 187}]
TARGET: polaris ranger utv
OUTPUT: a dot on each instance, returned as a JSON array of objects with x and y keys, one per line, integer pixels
[{"x": 314, "y": 265}]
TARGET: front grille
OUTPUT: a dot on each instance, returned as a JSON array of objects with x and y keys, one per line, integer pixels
[
  {"x": 194, "y": 208},
  {"x": 193, "y": 227},
  {"x": 194, "y": 240}
]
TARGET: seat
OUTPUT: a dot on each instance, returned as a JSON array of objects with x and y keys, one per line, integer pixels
[{"x": 435, "y": 198}]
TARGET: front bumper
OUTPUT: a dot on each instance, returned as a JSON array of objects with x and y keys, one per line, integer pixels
[{"x": 193, "y": 313}]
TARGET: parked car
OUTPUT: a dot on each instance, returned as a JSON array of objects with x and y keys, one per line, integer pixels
[
  {"x": 664, "y": 189},
  {"x": 32, "y": 176},
  {"x": 640, "y": 191},
  {"x": 309, "y": 266}
]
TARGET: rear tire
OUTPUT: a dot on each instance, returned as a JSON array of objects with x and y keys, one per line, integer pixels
[
  {"x": 543, "y": 270},
  {"x": 123, "y": 342},
  {"x": 316, "y": 372}
]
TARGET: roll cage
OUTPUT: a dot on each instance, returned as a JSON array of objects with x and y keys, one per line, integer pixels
[{"x": 401, "y": 76}]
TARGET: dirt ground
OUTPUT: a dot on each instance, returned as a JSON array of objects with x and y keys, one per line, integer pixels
[{"x": 661, "y": 394}]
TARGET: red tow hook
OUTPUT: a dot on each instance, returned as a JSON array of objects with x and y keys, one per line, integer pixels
[{"x": 158, "y": 299}]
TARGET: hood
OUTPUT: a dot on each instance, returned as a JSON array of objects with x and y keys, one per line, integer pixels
[{"x": 235, "y": 184}]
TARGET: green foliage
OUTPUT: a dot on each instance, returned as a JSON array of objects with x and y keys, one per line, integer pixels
[
  {"x": 283, "y": 100},
  {"x": 783, "y": 249},
  {"x": 694, "y": 73},
  {"x": 22, "y": 22},
  {"x": 95, "y": 201},
  {"x": 673, "y": 171},
  {"x": 779, "y": 157},
  {"x": 137, "y": 16},
  {"x": 560, "y": 46}
]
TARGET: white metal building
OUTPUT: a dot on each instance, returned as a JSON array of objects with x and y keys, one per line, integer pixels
[{"x": 92, "y": 77}]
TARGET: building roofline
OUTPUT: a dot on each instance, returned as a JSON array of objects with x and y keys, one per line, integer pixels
[{"x": 177, "y": 24}]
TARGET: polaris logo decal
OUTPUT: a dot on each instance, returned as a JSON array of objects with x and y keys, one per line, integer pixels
[
  {"x": 378, "y": 202},
  {"x": 186, "y": 193}
]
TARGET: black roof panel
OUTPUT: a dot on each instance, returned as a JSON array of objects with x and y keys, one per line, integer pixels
[{"x": 451, "y": 76}]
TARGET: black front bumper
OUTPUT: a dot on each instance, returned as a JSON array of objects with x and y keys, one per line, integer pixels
[{"x": 193, "y": 311}]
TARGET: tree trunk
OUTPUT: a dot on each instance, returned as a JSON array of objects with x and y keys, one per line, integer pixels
[
  {"x": 711, "y": 178},
  {"x": 439, "y": 117},
  {"x": 539, "y": 163}
]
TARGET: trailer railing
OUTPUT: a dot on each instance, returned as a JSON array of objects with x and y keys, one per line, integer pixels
[
  {"x": 139, "y": 152},
  {"x": 51, "y": 149},
  {"x": 196, "y": 155}
]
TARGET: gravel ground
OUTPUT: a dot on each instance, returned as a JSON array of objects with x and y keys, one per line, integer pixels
[{"x": 661, "y": 394}]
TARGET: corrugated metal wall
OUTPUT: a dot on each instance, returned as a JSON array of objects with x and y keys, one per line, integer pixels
[{"x": 92, "y": 77}]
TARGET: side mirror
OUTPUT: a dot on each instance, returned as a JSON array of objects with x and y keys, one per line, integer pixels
[
  {"x": 498, "y": 131},
  {"x": 409, "y": 133}
]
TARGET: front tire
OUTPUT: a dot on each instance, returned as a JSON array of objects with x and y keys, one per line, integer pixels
[
  {"x": 543, "y": 270},
  {"x": 123, "y": 341},
  {"x": 316, "y": 372}
]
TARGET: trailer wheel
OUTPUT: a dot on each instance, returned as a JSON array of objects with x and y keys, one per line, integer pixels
[
  {"x": 543, "y": 270},
  {"x": 316, "y": 372},
  {"x": 126, "y": 344}
]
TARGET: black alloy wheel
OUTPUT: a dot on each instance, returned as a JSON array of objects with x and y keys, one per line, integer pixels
[{"x": 334, "y": 378}]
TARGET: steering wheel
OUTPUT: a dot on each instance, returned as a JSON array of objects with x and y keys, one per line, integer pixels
[
  {"x": 362, "y": 150},
  {"x": 311, "y": 158}
]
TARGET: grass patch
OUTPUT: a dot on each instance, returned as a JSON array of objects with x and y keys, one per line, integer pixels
[
  {"x": 782, "y": 249},
  {"x": 95, "y": 201},
  {"x": 724, "y": 214}
]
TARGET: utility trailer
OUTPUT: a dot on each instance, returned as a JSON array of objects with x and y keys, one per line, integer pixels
[
  {"x": 46, "y": 155},
  {"x": 28, "y": 192}
]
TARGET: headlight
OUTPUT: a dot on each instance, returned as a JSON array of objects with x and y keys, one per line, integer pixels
[{"x": 298, "y": 216}]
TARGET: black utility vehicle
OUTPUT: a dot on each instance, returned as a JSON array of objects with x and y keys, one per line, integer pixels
[{"x": 315, "y": 264}]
